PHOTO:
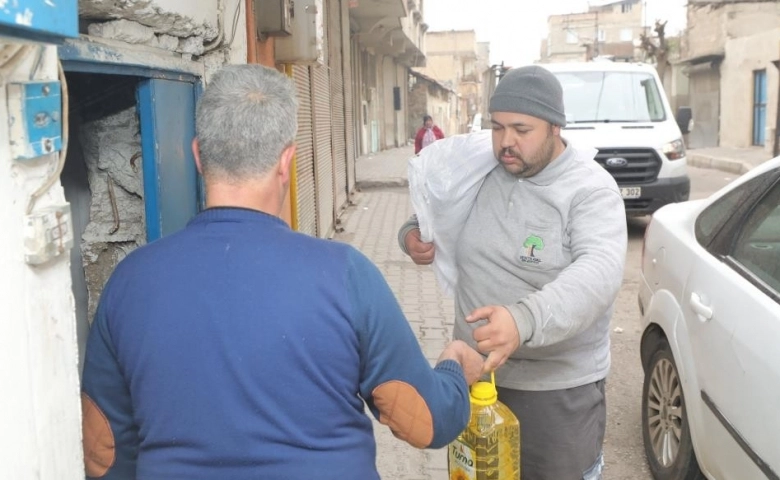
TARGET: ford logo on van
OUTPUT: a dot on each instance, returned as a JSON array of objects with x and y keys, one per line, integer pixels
[{"x": 617, "y": 162}]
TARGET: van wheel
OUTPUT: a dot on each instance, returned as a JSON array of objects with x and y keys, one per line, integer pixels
[{"x": 665, "y": 429}]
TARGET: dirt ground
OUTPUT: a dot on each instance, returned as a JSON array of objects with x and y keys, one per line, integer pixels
[
  {"x": 623, "y": 448},
  {"x": 623, "y": 451}
]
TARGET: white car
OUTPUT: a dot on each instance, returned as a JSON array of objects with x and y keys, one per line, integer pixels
[{"x": 710, "y": 304}]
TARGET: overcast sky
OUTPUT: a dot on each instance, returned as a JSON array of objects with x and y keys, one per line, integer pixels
[{"x": 515, "y": 28}]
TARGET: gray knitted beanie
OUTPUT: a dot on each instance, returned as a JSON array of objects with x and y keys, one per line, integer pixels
[{"x": 531, "y": 90}]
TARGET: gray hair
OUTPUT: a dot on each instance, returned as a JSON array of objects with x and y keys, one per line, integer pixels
[{"x": 246, "y": 117}]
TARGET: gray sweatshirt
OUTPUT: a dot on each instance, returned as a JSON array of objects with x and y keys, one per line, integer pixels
[{"x": 551, "y": 249}]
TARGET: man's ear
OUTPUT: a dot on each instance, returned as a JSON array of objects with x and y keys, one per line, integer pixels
[
  {"x": 196, "y": 154},
  {"x": 286, "y": 162}
]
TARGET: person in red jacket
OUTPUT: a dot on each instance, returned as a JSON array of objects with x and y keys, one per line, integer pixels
[{"x": 427, "y": 134}]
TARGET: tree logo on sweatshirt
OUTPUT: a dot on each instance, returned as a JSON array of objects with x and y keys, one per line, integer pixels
[{"x": 532, "y": 244}]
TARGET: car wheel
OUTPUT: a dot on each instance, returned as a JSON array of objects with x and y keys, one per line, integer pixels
[{"x": 665, "y": 429}]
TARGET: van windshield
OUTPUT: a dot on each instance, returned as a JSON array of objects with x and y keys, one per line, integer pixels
[{"x": 611, "y": 97}]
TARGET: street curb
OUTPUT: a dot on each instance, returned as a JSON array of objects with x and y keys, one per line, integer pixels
[
  {"x": 385, "y": 183},
  {"x": 722, "y": 164}
]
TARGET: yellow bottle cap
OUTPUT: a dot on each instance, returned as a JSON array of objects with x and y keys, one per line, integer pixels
[{"x": 484, "y": 393}]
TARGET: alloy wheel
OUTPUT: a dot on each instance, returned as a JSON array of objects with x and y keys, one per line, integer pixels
[{"x": 665, "y": 410}]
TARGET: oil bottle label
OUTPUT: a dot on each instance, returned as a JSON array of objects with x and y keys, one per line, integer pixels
[{"x": 462, "y": 461}]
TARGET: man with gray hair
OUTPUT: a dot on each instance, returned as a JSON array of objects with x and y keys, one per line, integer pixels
[
  {"x": 237, "y": 348},
  {"x": 540, "y": 262}
]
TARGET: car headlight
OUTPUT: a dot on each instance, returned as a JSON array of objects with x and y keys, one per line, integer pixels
[{"x": 675, "y": 150}]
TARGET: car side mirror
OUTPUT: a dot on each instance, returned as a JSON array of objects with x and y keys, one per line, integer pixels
[{"x": 684, "y": 119}]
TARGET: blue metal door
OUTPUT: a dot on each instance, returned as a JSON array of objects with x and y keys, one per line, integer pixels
[
  {"x": 171, "y": 183},
  {"x": 759, "y": 107}
]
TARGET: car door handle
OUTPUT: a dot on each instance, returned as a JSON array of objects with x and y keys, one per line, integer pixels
[{"x": 703, "y": 311}]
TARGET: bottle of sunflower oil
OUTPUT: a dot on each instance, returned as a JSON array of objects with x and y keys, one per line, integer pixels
[{"x": 489, "y": 447}]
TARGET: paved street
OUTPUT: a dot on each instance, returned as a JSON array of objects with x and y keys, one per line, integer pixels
[
  {"x": 371, "y": 225},
  {"x": 623, "y": 449}
]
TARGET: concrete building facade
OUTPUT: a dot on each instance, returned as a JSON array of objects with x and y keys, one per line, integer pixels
[
  {"x": 427, "y": 96},
  {"x": 747, "y": 60},
  {"x": 732, "y": 54},
  {"x": 605, "y": 30},
  {"x": 456, "y": 60}
]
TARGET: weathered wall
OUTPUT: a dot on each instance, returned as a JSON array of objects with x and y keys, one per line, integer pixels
[
  {"x": 746, "y": 34},
  {"x": 439, "y": 108},
  {"x": 705, "y": 104},
  {"x": 116, "y": 225},
  {"x": 450, "y": 56},
  {"x": 412, "y": 25},
  {"x": 194, "y": 18},
  {"x": 214, "y": 29},
  {"x": 371, "y": 92},
  {"x": 426, "y": 98},
  {"x": 418, "y": 106},
  {"x": 612, "y": 20},
  {"x": 704, "y": 34},
  {"x": 40, "y": 423},
  {"x": 457, "y": 120},
  {"x": 451, "y": 42},
  {"x": 387, "y": 77},
  {"x": 401, "y": 79},
  {"x": 471, "y": 91},
  {"x": 744, "y": 56},
  {"x": 710, "y": 24},
  {"x": 567, "y": 34},
  {"x": 483, "y": 68},
  {"x": 457, "y": 61},
  {"x": 677, "y": 86},
  {"x": 444, "y": 68},
  {"x": 105, "y": 140}
]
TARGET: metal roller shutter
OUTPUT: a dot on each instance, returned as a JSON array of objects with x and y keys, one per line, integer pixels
[
  {"x": 323, "y": 154},
  {"x": 357, "y": 100},
  {"x": 338, "y": 124},
  {"x": 349, "y": 105},
  {"x": 306, "y": 196},
  {"x": 386, "y": 98}
]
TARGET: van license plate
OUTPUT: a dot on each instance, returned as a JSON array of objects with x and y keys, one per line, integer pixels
[{"x": 631, "y": 192}]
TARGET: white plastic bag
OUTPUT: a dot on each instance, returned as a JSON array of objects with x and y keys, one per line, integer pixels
[{"x": 444, "y": 180}]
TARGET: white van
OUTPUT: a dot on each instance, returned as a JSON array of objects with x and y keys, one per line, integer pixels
[{"x": 621, "y": 109}]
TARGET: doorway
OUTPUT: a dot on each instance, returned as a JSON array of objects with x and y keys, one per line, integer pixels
[
  {"x": 129, "y": 174},
  {"x": 759, "y": 107}
]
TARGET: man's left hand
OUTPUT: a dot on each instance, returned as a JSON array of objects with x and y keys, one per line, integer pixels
[{"x": 497, "y": 339}]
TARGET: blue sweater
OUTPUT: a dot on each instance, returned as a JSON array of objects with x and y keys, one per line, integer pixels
[{"x": 237, "y": 349}]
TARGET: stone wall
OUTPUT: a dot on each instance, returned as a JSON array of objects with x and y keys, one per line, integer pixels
[
  {"x": 418, "y": 106},
  {"x": 210, "y": 29},
  {"x": 112, "y": 153},
  {"x": 712, "y": 24}
]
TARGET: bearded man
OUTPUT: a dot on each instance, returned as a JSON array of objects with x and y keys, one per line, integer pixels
[{"x": 540, "y": 262}]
